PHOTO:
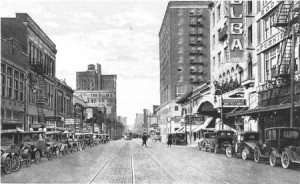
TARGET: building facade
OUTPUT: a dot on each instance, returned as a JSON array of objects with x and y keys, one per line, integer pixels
[
  {"x": 39, "y": 69},
  {"x": 90, "y": 79}
]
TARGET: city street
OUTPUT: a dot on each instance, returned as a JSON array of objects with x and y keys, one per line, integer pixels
[{"x": 128, "y": 162}]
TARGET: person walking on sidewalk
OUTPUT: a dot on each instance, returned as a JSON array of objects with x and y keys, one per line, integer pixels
[
  {"x": 169, "y": 140},
  {"x": 144, "y": 138}
]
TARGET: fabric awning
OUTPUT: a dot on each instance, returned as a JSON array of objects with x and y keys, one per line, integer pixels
[
  {"x": 179, "y": 130},
  {"x": 204, "y": 125},
  {"x": 261, "y": 109}
]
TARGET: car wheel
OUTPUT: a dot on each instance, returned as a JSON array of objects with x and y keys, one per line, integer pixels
[
  {"x": 7, "y": 165},
  {"x": 285, "y": 160},
  {"x": 28, "y": 161},
  {"x": 272, "y": 159},
  {"x": 229, "y": 152},
  {"x": 245, "y": 155},
  {"x": 256, "y": 155},
  {"x": 37, "y": 157},
  {"x": 57, "y": 151},
  {"x": 15, "y": 163}
]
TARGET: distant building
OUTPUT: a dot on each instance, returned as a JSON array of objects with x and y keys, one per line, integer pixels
[
  {"x": 109, "y": 82},
  {"x": 138, "y": 124},
  {"x": 90, "y": 79}
]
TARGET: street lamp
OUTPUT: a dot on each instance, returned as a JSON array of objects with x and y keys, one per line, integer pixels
[{"x": 221, "y": 93}]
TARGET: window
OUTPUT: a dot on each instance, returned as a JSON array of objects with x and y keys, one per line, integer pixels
[
  {"x": 291, "y": 134},
  {"x": 218, "y": 13},
  {"x": 179, "y": 69},
  {"x": 179, "y": 12},
  {"x": 213, "y": 42},
  {"x": 9, "y": 87},
  {"x": 192, "y": 58},
  {"x": 192, "y": 40},
  {"x": 176, "y": 108},
  {"x": 271, "y": 135},
  {"x": 16, "y": 89},
  {"x": 214, "y": 62},
  {"x": 192, "y": 12},
  {"x": 219, "y": 59},
  {"x": 267, "y": 28},
  {"x": 179, "y": 78},
  {"x": 180, "y": 31},
  {"x": 2, "y": 84},
  {"x": 193, "y": 21},
  {"x": 180, "y": 40},
  {"x": 250, "y": 39},
  {"x": 179, "y": 90},
  {"x": 213, "y": 20},
  {"x": 250, "y": 7},
  {"x": 180, "y": 50}
]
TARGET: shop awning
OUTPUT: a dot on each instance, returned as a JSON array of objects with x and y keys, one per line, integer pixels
[
  {"x": 179, "y": 130},
  {"x": 204, "y": 125},
  {"x": 261, "y": 109},
  {"x": 14, "y": 122}
]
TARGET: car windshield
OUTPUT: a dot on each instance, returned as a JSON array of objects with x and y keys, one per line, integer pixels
[
  {"x": 7, "y": 139},
  {"x": 50, "y": 137},
  {"x": 250, "y": 137},
  {"x": 223, "y": 134},
  {"x": 290, "y": 134}
]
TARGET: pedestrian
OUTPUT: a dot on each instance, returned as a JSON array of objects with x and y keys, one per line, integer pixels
[
  {"x": 169, "y": 140},
  {"x": 144, "y": 138}
]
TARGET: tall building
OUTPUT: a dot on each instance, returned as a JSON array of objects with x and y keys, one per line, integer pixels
[
  {"x": 90, "y": 79},
  {"x": 35, "y": 83},
  {"x": 184, "y": 50}
]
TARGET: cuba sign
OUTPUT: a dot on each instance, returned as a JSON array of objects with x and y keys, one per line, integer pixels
[{"x": 236, "y": 41}]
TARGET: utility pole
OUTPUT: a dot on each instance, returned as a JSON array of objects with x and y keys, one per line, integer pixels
[{"x": 292, "y": 80}]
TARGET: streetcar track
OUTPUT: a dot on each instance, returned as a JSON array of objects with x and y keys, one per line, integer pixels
[
  {"x": 195, "y": 167},
  {"x": 108, "y": 160},
  {"x": 172, "y": 176}
]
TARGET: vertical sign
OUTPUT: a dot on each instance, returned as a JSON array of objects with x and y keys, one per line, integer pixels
[{"x": 236, "y": 42}]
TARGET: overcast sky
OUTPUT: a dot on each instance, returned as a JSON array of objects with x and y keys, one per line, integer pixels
[{"x": 120, "y": 35}]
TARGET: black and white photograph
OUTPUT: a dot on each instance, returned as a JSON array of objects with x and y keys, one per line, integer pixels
[{"x": 150, "y": 91}]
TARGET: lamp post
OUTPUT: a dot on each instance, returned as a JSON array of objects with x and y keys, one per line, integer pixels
[{"x": 221, "y": 109}]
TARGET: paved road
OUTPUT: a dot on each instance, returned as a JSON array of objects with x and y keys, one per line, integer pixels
[{"x": 128, "y": 162}]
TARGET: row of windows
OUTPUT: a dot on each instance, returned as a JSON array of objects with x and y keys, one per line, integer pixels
[
  {"x": 12, "y": 83},
  {"x": 64, "y": 103},
  {"x": 38, "y": 57},
  {"x": 192, "y": 11},
  {"x": 102, "y": 95},
  {"x": 11, "y": 114}
]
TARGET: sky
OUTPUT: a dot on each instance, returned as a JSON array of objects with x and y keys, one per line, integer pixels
[{"x": 122, "y": 36}]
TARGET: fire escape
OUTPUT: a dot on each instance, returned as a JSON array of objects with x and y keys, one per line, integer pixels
[
  {"x": 41, "y": 98},
  {"x": 288, "y": 14}
]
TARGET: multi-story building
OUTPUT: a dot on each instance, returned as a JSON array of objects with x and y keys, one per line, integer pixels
[
  {"x": 109, "y": 82},
  {"x": 77, "y": 123},
  {"x": 38, "y": 72},
  {"x": 138, "y": 124},
  {"x": 90, "y": 79},
  {"x": 184, "y": 51}
]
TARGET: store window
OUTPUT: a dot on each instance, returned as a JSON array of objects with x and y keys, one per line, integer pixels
[
  {"x": 179, "y": 90},
  {"x": 267, "y": 28}
]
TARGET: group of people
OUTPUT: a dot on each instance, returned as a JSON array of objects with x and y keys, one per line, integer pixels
[{"x": 145, "y": 138}]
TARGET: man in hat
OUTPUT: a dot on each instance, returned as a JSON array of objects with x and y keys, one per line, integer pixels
[{"x": 144, "y": 138}]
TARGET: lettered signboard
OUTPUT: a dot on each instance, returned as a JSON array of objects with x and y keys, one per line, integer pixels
[{"x": 236, "y": 42}]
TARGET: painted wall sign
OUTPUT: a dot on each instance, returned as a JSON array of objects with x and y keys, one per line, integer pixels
[
  {"x": 236, "y": 41},
  {"x": 267, "y": 9},
  {"x": 270, "y": 42}
]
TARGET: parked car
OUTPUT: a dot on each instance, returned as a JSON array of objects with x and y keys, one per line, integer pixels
[
  {"x": 12, "y": 147},
  {"x": 78, "y": 137},
  {"x": 88, "y": 139},
  {"x": 39, "y": 147},
  {"x": 204, "y": 134},
  {"x": 53, "y": 140},
  {"x": 244, "y": 145},
  {"x": 217, "y": 141},
  {"x": 280, "y": 142},
  {"x": 66, "y": 139},
  {"x": 156, "y": 138}
]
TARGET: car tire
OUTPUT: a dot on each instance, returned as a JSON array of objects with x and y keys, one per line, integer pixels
[
  {"x": 256, "y": 155},
  {"x": 7, "y": 165},
  {"x": 229, "y": 152},
  {"x": 15, "y": 163},
  {"x": 244, "y": 153},
  {"x": 57, "y": 152},
  {"x": 285, "y": 160},
  {"x": 37, "y": 157},
  {"x": 28, "y": 159},
  {"x": 272, "y": 159}
]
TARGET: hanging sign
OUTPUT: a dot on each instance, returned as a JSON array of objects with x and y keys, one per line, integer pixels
[{"x": 236, "y": 41}]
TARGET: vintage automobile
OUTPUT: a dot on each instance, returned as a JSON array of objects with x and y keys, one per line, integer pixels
[
  {"x": 5, "y": 162},
  {"x": 53, "y": 140},
  {"x": 39, "y": 147},
  {"x": 79, "y": 140},
  {"x": 280, "y": 142},
  {"x": 217, "y": 141},
  {"x": 12, "y": 148},
  {"x": 203, "y": 134},
  {"x": 244, "y": 145},
  {"x": 67, "y": 138},
  {"x": 88, "y": 139},
  {"x": 97, "y": 138}
]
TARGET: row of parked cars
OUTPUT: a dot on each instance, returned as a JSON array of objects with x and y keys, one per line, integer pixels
[
  {"x": 281, "y": 145},
  {"x": 19, "y": 146}
]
